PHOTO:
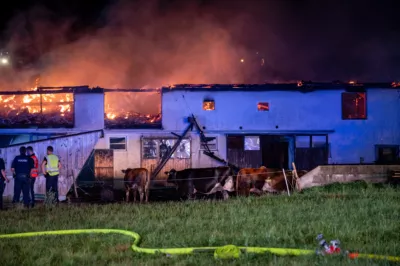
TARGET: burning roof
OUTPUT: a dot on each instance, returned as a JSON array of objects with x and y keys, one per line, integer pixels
[
  {"x": 298, "y": 86},
  {"x": 54, "y": 107},
  {"x": 37, "y": 109},
  {"x": 124, "y": 108}
]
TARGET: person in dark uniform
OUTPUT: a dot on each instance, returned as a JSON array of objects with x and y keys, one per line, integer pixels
[
  {"x": 3, "y": 180},
  {"x": 22, "y": 166}
]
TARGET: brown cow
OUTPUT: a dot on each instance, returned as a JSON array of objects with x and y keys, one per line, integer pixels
[
  {"x": 259, "y": 180},
  {"x": 276, "y": 181},
  {"x": 251, "y": 180},
  {"x": 136, "y": 179}
]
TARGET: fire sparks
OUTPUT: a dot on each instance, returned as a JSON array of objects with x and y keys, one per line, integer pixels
[
  {"x": 65, "y": 108},
  {"x": 28, "y": 98},
  {"x": 112, "y": 116},
  {"x": 7, "y": 99}
]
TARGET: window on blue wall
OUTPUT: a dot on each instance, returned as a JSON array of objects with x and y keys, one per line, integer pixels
[
  {"x": 251, "y": 143},
  {"x": 157, "y": 148},
  {"x": 263, "y": 106},
  {"x": 387, "y": 154},
  {"x": 235, "y": 142},
  {"x": 212, "y": 145},
  {"x": 354, "y": 105},
  {"x": 208, "y": 105}
]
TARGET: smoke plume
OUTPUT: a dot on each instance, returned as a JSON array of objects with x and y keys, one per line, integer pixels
[
  {"x": 149, "y": 44},
  {"x": 140, "y": 45}
]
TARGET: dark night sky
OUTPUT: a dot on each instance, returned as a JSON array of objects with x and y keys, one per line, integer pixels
[{"x": 298, "y": 39}]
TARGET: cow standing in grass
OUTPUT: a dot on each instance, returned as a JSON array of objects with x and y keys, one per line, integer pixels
[
  {"x": 137, "y": 180},
  {"x": 205, "y": 181},
  {"x": 251, "y": 180}
]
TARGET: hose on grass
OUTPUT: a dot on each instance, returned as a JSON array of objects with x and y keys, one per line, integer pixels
[{"x": 229, "y": 251}]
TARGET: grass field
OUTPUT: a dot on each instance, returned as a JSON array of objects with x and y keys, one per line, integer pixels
[{"x": 363, "y": 217}]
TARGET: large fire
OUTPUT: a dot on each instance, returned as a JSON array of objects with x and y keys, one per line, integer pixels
[
  {"x": 56, "y": 109},
  {"x": 36, "y": 109},
  {"x": 121, "y": 113},
  {"x": 127, "y": 119},
  {"x": 36, "y": 103},
  {"x": 147, "y": 118}
]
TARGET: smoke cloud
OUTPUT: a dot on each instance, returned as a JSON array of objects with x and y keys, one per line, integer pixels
[
  {"x": 140, "y": 45},
  {"x": 150, "y": 44}
]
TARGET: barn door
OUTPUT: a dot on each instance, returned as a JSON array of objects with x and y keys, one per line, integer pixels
[
  {"x": 309, "y": 158},
  {"x": 104, "y": 165},
  {"x": 244, "y": 152}
]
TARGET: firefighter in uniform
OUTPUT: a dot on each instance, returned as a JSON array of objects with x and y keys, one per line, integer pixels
[
  {"x": 3, "y": 180},
  {"x": 21, "y": 167},
  {"x": 51, "y": 168},
  {"x": 34, "y": 173}
]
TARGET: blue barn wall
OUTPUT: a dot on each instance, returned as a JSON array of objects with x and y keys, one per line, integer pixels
[
  {"x": 292, "y": 111},
  {"x": 89, "y": 111}
]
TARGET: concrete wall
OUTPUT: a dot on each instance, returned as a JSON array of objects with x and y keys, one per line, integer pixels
[
  {"x": 324, "y": 175},
  {"x": 89, "y": 111},
  {"x": 293, "y": 111}
]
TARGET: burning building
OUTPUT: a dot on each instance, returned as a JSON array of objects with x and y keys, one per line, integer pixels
[{"x": 273, "y": 125}]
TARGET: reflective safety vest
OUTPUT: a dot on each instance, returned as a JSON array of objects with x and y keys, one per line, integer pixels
[
  {"x": 35, "y": 171},
  {"x": 52, "y": 165}
]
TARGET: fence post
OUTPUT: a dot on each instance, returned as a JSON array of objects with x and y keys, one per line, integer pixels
[
  {"x": 296, "y": 177},
  {"x": 287, "y": 185}
]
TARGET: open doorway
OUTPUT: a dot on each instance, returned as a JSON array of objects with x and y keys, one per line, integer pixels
[
  {"x": 275, "y": 151},
  {"x": 271, "y": 151},
  {"x": 387, "y": 154}
]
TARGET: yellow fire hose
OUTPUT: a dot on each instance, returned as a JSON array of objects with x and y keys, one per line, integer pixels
[{"x": 229, "y": 251}]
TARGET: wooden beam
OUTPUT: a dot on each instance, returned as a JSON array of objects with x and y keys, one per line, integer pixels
[{"x": 169, "y": 154}]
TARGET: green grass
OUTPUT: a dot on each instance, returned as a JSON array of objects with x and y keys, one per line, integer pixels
[{"x": 363, "y": 217}]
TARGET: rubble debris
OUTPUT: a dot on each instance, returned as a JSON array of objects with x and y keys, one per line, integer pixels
[
  {"x": 132, "y": 120},
  {"x": 26, "y": 119}
]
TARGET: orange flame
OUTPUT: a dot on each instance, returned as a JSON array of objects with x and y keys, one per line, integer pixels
[
  {"x": 31, "y": 103},
  {"x": 111, "y": 115}
]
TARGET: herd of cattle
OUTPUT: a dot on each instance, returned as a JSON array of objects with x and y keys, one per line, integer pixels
[{"x": 208, "y": 181}]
